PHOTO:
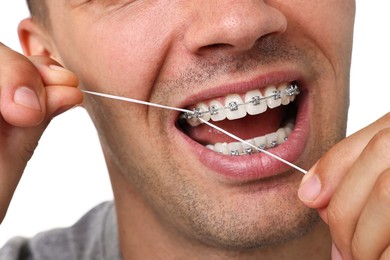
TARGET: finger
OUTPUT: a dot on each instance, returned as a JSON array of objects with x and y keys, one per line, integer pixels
[
  {"x": 18, "y": 144},
  {"x": 318, "y": 186},
  {"x": 22, "y": 95},
  {"x": 372, "y": 233},
  {"x": 386, "y": 254},
  {"x": 61, "y": 85},
  {"x": 26, "y": 108},
  {"x": 336, "y": 253},
  {"x": 52, "y": 73},
  {"x": 62, "y": 98},
  {"x": 350, "y": 198}
]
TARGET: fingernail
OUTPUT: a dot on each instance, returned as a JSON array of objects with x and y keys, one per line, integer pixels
[
  {"x": 310, "y": 188},
  {"x": 26, "y": 97},
  {"x": 336, "y": 253}
]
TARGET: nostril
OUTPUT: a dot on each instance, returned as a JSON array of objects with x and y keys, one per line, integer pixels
[
  {"x": 218, "y": 45},
  {"x": 215, "y": 48}
]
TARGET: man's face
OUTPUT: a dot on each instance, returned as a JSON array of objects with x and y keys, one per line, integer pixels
[{"x": 182, "y": 53}]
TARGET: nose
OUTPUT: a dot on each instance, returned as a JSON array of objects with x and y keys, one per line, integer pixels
[{"x": 234, "y": 26}]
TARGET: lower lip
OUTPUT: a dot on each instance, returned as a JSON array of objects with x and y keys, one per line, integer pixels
[{"x": 260, "y": 165}]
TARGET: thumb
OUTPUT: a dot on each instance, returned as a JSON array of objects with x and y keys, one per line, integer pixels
[{"x": 321, "y": 181}]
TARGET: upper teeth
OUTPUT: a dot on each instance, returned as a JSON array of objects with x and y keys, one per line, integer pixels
[{"x": 237, "y": 106}]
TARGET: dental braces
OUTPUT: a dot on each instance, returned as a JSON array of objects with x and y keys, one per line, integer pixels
[
  {"x": 291, "y": 90},
  {"x": 246, "y": 149},
  {"x": 250, "y": 150}
]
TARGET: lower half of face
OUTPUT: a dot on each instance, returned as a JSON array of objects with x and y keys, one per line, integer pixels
[
  {"x": 216, "y": 196},
  {"x": 200, "y": 182}
]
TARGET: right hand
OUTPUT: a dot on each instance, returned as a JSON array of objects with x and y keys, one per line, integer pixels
[{"x": 33, "y": 90}]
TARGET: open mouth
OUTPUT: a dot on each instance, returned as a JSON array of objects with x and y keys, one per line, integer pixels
[{"x": 263, "y": 117}]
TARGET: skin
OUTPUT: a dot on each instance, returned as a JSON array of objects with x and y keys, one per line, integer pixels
[{"x": 160, "y": 53}]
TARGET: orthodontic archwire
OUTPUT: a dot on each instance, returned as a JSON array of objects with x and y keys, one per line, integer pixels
[{"x": 292, "y": 90}]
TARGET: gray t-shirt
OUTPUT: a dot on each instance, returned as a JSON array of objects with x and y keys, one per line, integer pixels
[{"x": 94, "y": 236}]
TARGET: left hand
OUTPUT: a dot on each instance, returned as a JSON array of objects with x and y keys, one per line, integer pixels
[{"x": 350, "y": 188}]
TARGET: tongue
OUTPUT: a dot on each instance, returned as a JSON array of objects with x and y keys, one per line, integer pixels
[{"x": 245, "y": 128}]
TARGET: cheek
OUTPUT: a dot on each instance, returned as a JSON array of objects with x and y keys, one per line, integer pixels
[
  {"x": 121, "y": 54},
  {"x": 331, "y": 23},
  {"x": 118, "y": 64},
  {"x": 329, "y": 26},
  {"x": 328, "y": 23}
]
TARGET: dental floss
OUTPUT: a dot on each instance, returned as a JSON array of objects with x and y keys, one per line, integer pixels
[
  {"x": 204, "y": 121},
  {"x": 135, "y": 101}
]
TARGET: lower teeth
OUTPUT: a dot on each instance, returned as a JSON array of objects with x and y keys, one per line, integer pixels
[{"x": 262, "y": 142}]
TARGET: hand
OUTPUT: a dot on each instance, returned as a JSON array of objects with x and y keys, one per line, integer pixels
[
  {"x": 32, "y": 91},
  {"x": 350, "y": 187}
]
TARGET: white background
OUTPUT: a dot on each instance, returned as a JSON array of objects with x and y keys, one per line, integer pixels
[{"x": 67, "y": 175}]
